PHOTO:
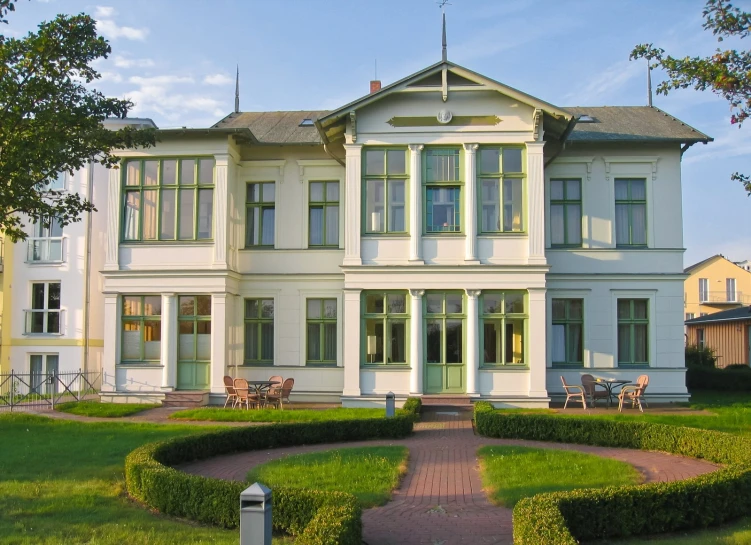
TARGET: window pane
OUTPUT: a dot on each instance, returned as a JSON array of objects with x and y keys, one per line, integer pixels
[
  {"x": 638, "y": 190},
  {"x": 168, "y": 214},
  {"x": 329, "y": 308},
  {"x": 131, "y": 346},
  {"x": 374, "y": 162},
  {"x": 397, "y": 303},
  {"x": 491, "y": 342},
  {"x": 491, "y": 202},
  {"x": 37, "y": 296},
  {"x": 269, "y": 193},
  {"x": 454, "y": 303},
  {"x": 434, "y": 303},
  {"x": 374, "y": 303},
  {"x": 204, "y": 305},
  {"x": 621, "y": 190},
  {"x": 187, "y": 172},
  {"x": 512, "y": 205},
  {"x": 574, "y": 226},
  {"x": 205, "y": 212},
  {"x": 332, "y": 192},
  {"x": 267, "y": 341},
  {"x": 332, "y": 225},
  {"x": 442, "y": 209},
  {"x": 185, "y": 348},
  {"x": 316, "y": 191},
  {"x": 53, "y": 322},
  {"x": 576, "y": 309},
  {"x": 491, "y": 303},
  {"x": 433, "y": 337},
  {"x": 374, "y": 340},
  {"x": 267, "y": 308},
  {"x": 251, "y": 308},
  {"x": 557, "y": 232},
  {"x": 314, "y": 308},
  {"x": 621, "y": 224},
  {"x": 490, "y": 161},
  {"x": 187, "y": 306},
  {"x": 203, "y": 341},
  {"x": 329, "y": 342},
  {"x": 268, "y": 227},
  {"x": 152, "y": 305},
  {"x": 514, "y": 303},
  {"x": 252, "y": 227},
  {"x": 149, "y": 215},
  {"x": 186, "y": 213},
  {"x": 314, "y": 342},
  {"x": 556, "y": 190},
  {"x": 150, "y": 172},
  {"x": 573, "y": 190},
  {"x": 133, "y": 174},
  {"x": 397, "y": 344},
  {"x": 131, "y": 215},
  {"x": 206, "y": 171},
  {"x": 639, "y": 224},
  {"x": 169, "y": 172},
  {"x": 251, "y": 342},
  {"x": 37, "y": 322},
  {"x": 396, "y": 206},
  {"x": 375, "y": 200},
  {"x": 454, "y": 337},
  {"x": 131, "y": 306},
  {"x": 624, "y": 343},
  {"x": 575, "y": 346},
  {"x": 559, "y": 309},
  {"x": 397, "y": 161},
  {"x": 514, "y": 341},
  {"x": 640, "y": 309},
  {"x": 316, "y": 226},
  {"x": 624, "y": 309},
  {"x": 512, "y": 160},
  {"x": 640, "y": 343},
  {"x": 253, "y": 193},
  {"x": 53, "y": 296},
  {"x": 152, "y": 336},
  {"x": 558, "y": 352},
  {"x": 442, "y": 166}
]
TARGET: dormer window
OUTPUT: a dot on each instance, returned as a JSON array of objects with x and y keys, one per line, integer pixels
[{"x": 306, "y": 122}]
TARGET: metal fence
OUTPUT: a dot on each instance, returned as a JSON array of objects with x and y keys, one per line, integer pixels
[{"x": 42, "y": 391}]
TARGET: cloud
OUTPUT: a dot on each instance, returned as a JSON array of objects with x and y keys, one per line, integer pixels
[
  {"x": 110, "y": 29},
  {"x": 165, "y": 80},
  {"x": 110, "y": 76},
  {"x": 124, "y": 62},
  {"x": 104, "y": 12},
  {"x": 731, "y": 142},
  {"x": 217, "y": 79},
  {"x": 603, "y": 85}
]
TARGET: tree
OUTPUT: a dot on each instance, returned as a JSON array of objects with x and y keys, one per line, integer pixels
[
  {"x": 51, "y": 120},
  {"x": 726, "y": 73}
]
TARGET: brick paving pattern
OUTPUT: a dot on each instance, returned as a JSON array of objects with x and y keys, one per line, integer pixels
[{"x": 441, "y": 501}]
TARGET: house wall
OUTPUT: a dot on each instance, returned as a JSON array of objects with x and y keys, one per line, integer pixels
[
  {"x": 728, "y": 340},
  {"x": 716, "y": 272}
]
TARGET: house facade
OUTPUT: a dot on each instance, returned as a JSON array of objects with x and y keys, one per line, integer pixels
[
  {"x": 714, "y": 285},
  {"x": 443, "y": 235},
  {"x": 727, "y": 333}
]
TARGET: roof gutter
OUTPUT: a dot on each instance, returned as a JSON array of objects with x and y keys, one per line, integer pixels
[{"x": 326, "y": 143}]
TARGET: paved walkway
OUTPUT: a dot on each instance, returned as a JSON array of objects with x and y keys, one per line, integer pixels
[{"x": 441, "y": 501}]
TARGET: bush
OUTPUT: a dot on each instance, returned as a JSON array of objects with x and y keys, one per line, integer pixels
[
  {"x": 568, "y": 517},
  {"x": 413, "y": 406},
  {"x": 315, "y": 517},
  {"x": 738, "y": 367},
  {"x": 697, "y": 356},
  {"x": 731, "y": 378}
]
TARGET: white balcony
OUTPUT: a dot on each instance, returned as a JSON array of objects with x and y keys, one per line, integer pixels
[
  {"x": 43, "y": 321},
  {"x": 724, "y": 298},
  {"x": 45, "y": 250}
]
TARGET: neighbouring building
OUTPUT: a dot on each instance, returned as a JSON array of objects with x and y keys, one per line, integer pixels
[
  {"x": 445, "y": 234},
  {"x": 727, "y": 333},
  {"x": 714, "y": 285},
  {"x": 745, "y": 265}
]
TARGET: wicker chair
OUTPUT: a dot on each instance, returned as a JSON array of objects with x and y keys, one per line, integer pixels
[
  {"x": 276, "y": 396},
  {"x": 574, "y": 392},
  {"x": 276, "y": 379},
  {"x": 634, "y": 393},
  {"x": 244, "y": 397},
  {"x": 590, "y": 390},
  {"x": 229, "y": 387}
]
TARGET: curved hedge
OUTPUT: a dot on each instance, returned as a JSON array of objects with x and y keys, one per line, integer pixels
[
  {"x": 315, "y": 517},
  {"x": 565, "y": 518}
]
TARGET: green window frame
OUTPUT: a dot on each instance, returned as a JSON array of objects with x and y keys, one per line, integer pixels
[
  {"x": 442, "y": 186},
  {"x": 504, "y": 328},
  {"x": 194, "y": 328},
  {"x": 633, "y": 332},
  {"x": 385, "y": 322},
  {"x": 445, "y": 312},
  {"x": 501, "y": 189},
  {"x": 565, "y": 212},
  {"x": 568, "y": 333},
  {"x": 141, "y": 320},
  {"x": 259, "y": 331},
  {"x": 631, "y": 212},
  {"x": 323, "y": 214},
  {"x": 321, "y": 331},
  {"x": 168, "y": 199},
  {"x": 260, "y": 214},
  {"x": 385, "y": 191}
]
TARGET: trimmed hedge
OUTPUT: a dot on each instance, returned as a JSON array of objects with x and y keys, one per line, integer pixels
[
  {"x": 413, "y": 406},
  {"x": 568, "y": 517},
  {"x": 315, "y": 517},
  {"x": 731, "y": 378}
]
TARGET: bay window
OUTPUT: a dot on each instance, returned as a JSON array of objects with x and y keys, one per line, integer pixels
[
  {"x": 385, "y": 183},
  {"x": 443, "y": 191},
  {"x": 142, "y": 328},
  {"x": 501, "y": 189}
]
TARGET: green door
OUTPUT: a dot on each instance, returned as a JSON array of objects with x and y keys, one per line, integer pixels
[
  {"x": 193, "y": 375},
  {"x": 444, "y": 343},
  {"x": 194, "y": 342}
]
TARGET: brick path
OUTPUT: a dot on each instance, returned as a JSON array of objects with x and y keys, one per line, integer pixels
[{"x": 441, "y": 501}]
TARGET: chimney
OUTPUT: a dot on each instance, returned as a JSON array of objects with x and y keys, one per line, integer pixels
[{"x": 375, "y": 86}]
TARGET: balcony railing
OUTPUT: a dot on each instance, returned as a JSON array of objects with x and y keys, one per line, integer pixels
[
  {"x": 45, "y": 250},
  {"x": 724, "y": 298},
  {"x": 43, "y": 321}
]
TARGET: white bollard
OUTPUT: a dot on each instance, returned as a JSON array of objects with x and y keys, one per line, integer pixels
[
  {"x": 255, "y": 515},
  {"x": 390, "y": 405}
]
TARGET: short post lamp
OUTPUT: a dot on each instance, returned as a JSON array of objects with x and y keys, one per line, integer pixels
[
  {"x": 372, "y": 347},
  {"x": 255, "y": 515},
  {"x": 390, "y": 405}
]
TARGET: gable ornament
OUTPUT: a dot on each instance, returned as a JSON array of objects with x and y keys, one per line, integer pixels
[{"x": 444, "y": 116}]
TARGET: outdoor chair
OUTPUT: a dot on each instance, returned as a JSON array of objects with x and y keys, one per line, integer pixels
[
  {"x": 643, "y": 381},
  {"x": 592, "y": 392},
  {"x": 276, "y": 396},
  {"x": 230, "y": 389},
  {"x": 277, "y": 380},
  {"x": 574, "y": 392},
  {"x": 244, "y": 397},
  {"x": 634, "y": 393}
]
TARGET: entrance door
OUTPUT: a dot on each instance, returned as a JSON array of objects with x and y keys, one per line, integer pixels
[
  {"x": 444, "y": 343},
  {"x": 193, "y": 375},
  {"x": 194, "y": 349}
]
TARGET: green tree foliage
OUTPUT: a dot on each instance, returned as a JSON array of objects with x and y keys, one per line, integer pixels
[
  {"x": 726, "y": 73},
  {"x": 51, "y": 119}
]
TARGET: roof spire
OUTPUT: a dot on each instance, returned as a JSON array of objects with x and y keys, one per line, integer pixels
[
  {"x": 442, "y": 4},
  {"x": 649, "y": 84},
  {"x": 237, "y": 90}
]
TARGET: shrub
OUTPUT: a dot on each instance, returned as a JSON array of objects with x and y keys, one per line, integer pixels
[
  {"x": 567, "y": 517},
  {"x": 413, "y": 406},
  {"x": 700, "y": 356},
  {"x": 738, "y": 367},
  {"x": 730, "y": 378},
  {"x": 315, "y": 517}
]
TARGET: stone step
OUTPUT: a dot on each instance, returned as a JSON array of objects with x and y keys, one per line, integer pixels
[
  {"x": 446, "y": 400},
  {"x": 186, "y": 399}
]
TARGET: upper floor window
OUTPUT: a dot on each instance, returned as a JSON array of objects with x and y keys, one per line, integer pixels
[
  {"x": 47, "y": 243},
  {"x": 44, "y": 315},
  {"x": 443, "y": 191},
  {"x": 58, "y": 183},
  {"x": 501, "y": 187},
  {"x": 703, "y": 290},
  {"x": 565, "y": 213},
  {"x": 630, "y": 212},
  {"x": 323, "y": 214},
  {"x": 168, "y": 199},
  {"x": 385, "y": 180},
  {"x": 259, "y": 220},
  {"x": 142, "y": 328},
  {"x": 730, "y": 290}
]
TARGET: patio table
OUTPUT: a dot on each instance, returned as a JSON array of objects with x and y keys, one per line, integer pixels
[
  {"x": 609, "y": 384},
  {"x": 260, "y": 386}
]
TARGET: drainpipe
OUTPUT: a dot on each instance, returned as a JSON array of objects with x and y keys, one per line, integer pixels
[{"x": 87, "y": 269}]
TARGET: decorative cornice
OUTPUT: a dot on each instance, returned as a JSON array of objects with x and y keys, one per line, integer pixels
[
  {"x": 457, "y": 120},
  {"x": 416, "y": 147},
  {"x": 353, "y": 122},
  {"x": 644, "y": 159},
  {"x": 577, "y": 160},
  {"x": 537, "y": 120},
  {"x": 276, "y": 163},
  {"x": 473, "y": 294},
  {"x": 417, "y": 293},
  {"x": 471, "y": 148}
]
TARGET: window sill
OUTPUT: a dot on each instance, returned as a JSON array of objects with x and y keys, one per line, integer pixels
[
  {"x": 566, "y": 247},
  {"x": 510, "y": 367},
  {"x": 503, "y": 234},
  {"x": 324, "y": 365},
  {"x": 323, "y": 248},
  {"x": 257, "y": 248},
  {"x": 631, "y": 247},
  {"x": 632, "y": 366},
  {"x": 567, "y": 366},
  {"x": 385, "y": 366},
  {"x": 257, "y": 364},
  {"x": 137, "y": 365},
  {"x": 48, "y": 263},
  {"x": 386, "y": 235},
  {"x": 42, "y": 335},
  {"x": 447, "y": 234},
  {"x": 136, "y": 243}
]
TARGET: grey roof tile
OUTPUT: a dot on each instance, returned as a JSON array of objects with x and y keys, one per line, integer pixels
[
  {"x": 742, "y": 313},
  {"x": 276, "y": 127}
]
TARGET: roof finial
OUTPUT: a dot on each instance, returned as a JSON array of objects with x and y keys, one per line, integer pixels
[
  {"x": 442, "y": 4},
  {"x": 649, "y": 83},
  {"x": 237, "y": 90}
]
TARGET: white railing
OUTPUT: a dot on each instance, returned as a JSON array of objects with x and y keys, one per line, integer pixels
[
  {"x": 724, "y": 297},
  {"x": 45, "y": 250},
  {"x": 43, "y": 321},
  {"x": 39, "y": 391}
]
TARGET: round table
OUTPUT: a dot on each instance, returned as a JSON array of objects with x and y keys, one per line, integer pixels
[{"x": 609, "y": 384}]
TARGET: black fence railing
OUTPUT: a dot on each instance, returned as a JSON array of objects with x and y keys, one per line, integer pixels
[{"x": 42, "y": 391}]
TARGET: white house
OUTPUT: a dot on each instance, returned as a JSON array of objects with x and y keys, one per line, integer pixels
[{"x": 445, "y": 234}]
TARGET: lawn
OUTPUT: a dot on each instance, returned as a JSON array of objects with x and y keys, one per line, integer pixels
[
  {"x": 512, "y": 473},
  {"x": 103, "y": 410},
  {"x": 738, "y": 533},
  {"x": 370, "y": 473},
  {"x": 275, "y": 415}
]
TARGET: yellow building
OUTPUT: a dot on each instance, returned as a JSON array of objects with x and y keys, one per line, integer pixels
[{"x": 714, "y": 285}]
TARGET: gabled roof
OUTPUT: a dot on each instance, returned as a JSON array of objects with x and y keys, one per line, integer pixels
[
  {"x": 701, "y": 264},
  {"x": 743, "y": 313},
  {"x": 276, "y": 127}
]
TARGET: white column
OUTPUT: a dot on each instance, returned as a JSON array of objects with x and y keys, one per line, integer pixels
[
  {"x": 536, "y": 202},
  {"x": 353, "y": 183},
  {"x": 110, "y": 355},
  {"x": 473, "y": 342},
  {"x": 416, "y": 342},
  {"x": 470, "y": 203},
  {"x": 537, "y": 343},
  {"x": 111, "y": 257},
  {"x": 415, "y": 208},
  {"x": 169, "y": 341},
  {"x": 221, "y": 208},
  {"x": 219, "y": 340},
  {"x": 351, "y": 342}
]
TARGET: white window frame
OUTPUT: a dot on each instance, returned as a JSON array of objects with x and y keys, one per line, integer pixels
[
  {"x": 45, "y": 310},
  {"x": 644, "y": 167},
  {"x": 321, "y": 294},
  {"x": 240, "y": 319},
  {"x": 728, "y": 292},
  {"x": 584, "y": 294},
  {"x": 703, "y": 282},
  {"x": 651, "y": 295}
]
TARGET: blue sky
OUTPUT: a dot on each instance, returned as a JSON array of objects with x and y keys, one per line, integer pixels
[{"x": 176, "y": 60}]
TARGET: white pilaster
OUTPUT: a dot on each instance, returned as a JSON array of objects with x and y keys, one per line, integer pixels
[
  {"x": 169, "y": 341},
  {"x": 221, "y": 207},
  {"x": 416, "y": 340},
  {"x": 473, "y": 342},
  {"x": 470, "y": 203},
  {"x": 111, "y": 258},
  {"x": 351, "y": 342},
  {"x": 415, "y": 208},
  {"x": 537, "y": 348},
  {"x": 221, "y": 307},
  {"x": 536, "y": 202},
  {"x": 111, "y": 350},
  {"x": 353, "y": 183}
]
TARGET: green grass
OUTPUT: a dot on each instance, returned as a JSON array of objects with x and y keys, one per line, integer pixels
[
  {"x": 738, "y": 533},
  {"x": 275, "y": 415},
  {"x": 104, "y": 410},
  {"x": 512, "y": 473},
  {"x": 370, "y": 473}
]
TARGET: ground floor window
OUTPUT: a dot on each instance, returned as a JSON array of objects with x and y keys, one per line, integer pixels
[
  {"x": 503, "y": 325},
  {"x": 385, "y": 318},
  {"x": 44, "y": 372},
  {"x": 444, "y": 326},
  {"x": 633, "y": 331},
  {"x": 259, "y": 331},
  {"x": 194, "y": 325},
  {"x": 321, "y": 331},
  {"x": 568, "y": 332},
  {"x": 142, "y": 328}
]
